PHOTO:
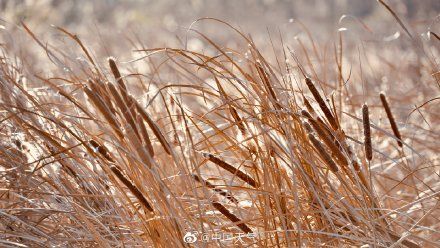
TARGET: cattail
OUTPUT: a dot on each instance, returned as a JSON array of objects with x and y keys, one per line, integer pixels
[
  {"x": 326, "y": 137},
  {"x": 307, "y": 127},
  {"x": 263, "y": 75},
  {"x": 238, "y": 120},
  {"x": 322, "y": 104},
  {"x": 101, "y": 89},
  {"x": 134, "y": 190},
  {"x": 101, "y": 150},
  {"x": 243, "y": 176},
  {"x": 123, "y": 107},
  {"x": 213, "y": 187},
  {"x": 391, "y": 119},
  {"x": 231, "y": 216},
  {"x": 153, "y": 127},
  {"x": 117, "y": 74},
  {"x": 367, "y": 133},
  {"x": 104, "y": 110},
  {"x": 308, "y": 105},
  {"x": 145, "y": 135},
  {"x": 325, "y": 156}
]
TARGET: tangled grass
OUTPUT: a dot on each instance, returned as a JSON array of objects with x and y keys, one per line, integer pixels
[{"x": 266, "y": 153}]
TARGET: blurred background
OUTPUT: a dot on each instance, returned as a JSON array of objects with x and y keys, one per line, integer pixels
[
  {"x": 118, "y": 28},
  {"x": 162, "y": 20}
]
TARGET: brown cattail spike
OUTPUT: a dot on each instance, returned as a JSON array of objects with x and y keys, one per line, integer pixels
[
  {"x": 231, "y": 216},
  {"x": 238, "y": 120},
  {"x": 391, "y": 118},
  {"x": 213, "y": 187},
  {"x": 323, "y": 153},
  {"x": 327, "y": 137},
  {"x": 240, "y": 174},
  {"x": 116, "y": 73},
  {"x": 322, "y": 104},
  {"x": 134, "y": 190},
  {"x": 101, "y": 150},
  {"x": 367, "y": 133}
]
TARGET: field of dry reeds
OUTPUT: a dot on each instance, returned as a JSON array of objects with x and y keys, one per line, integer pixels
[{"x": 268, "y": 142}]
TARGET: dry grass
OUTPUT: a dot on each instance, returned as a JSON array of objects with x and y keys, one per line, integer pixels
[{"x": 93, "y": 155}]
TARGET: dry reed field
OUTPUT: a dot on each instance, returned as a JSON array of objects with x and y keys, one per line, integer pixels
[{"x": 222, "y": 142}]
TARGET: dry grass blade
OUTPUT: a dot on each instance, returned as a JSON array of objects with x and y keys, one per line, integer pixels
[
  {"x": 396, "y": 17},
  {"x": 238, "y": 120}
]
